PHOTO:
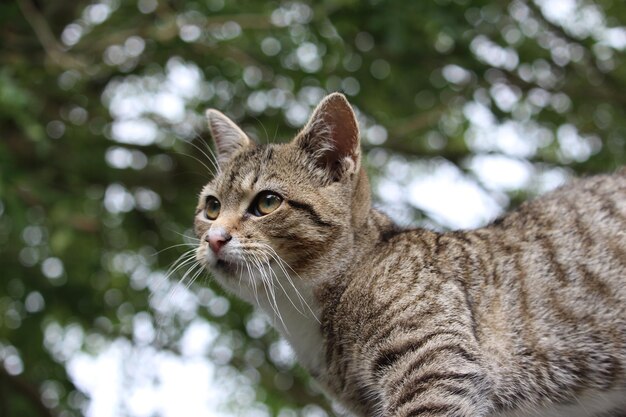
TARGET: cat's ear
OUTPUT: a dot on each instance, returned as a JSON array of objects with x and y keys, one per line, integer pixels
[
  {"x": 229, "y": 138},
  {"x": 331, "y": 136}
]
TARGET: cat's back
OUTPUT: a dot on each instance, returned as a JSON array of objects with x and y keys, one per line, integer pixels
[
  {"x": 588, "y": 207},
  {"x": 583, "y": 222},
  {"x": 550, "y": 238},
  {"x": 572, "y": 239},
  {"x": 558, "y": 261}
]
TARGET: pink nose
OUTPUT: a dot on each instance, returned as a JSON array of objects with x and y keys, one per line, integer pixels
[{"x": 217, "y": 238}]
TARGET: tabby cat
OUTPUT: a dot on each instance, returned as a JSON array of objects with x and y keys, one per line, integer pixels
[{"x": 523, "y": 317}]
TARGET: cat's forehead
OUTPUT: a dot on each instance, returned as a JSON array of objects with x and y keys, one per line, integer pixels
[{"x": 272, "y": 165}]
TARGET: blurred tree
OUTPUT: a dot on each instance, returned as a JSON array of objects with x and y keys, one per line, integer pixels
[{"x": 102, "y": 150}]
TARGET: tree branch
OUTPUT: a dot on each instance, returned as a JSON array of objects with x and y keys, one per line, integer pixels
[
  {"x": 28, "y": 391},
  {"x": 45, "y": 36}
]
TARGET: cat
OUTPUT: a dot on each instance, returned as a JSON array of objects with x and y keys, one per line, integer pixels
[{"x": 523, "y": 317}]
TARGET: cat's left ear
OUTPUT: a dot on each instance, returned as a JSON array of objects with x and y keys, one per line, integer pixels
[
  {"x": 229, "y": 138},
  {"x": 331, "y": 136}
]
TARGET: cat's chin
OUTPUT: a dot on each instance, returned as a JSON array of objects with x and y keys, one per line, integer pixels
[{"x": 226, "y": 268}]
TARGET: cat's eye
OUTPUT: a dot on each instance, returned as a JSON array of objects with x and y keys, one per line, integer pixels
[
  {"x": 265, "y": 203},
  {"x": 212, "y": 208}
]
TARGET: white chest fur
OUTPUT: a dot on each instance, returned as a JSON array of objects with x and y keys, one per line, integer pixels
[
  {"x": 297, "y": 319},
  {"x": 291, "y": 307}
]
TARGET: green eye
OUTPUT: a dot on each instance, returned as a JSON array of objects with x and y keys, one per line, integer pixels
[
  {"x": 212, "y": 208},
  {"x": 265, "y": 203}
]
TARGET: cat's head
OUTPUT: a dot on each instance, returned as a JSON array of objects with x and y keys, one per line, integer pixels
[{"x": 291, "y": 207}]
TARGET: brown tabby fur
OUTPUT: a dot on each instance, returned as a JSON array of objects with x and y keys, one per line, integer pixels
[{"x": 523, "y": 317}]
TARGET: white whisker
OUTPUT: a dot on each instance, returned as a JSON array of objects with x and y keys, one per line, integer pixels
[
  {"x": 269, "y": 286},
  {"x": 267, "y": 261},
  {"x": 252, "y": 281},
  {"x": 215, "y": 166},
  {"x": 184, "y": 259},
  {"x": 282, "y": 263},
  {"x": 197, "y": 159},
  {"x": 213, "y": 158},
  {"x": 190, "y": 271},
  {"x": 194, "y": 277},
  {"x": 192, "y": 238},
  {"x": 175, "y": 246}
]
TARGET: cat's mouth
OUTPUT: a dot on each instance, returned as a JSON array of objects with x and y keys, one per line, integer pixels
[{"x": 225, "y": 266}]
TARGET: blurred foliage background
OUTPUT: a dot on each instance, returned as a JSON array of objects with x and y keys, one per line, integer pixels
[{"x": 466, "y": 107}]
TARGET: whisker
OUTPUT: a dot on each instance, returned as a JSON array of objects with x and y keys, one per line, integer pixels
[
  {"x": 181, "y": 282},
  {"x": 275, "y": 134},
  {"x": 183, "y": 259},
  {"x": 194, "y": 277},
  {"x": 252, "y": 281},
  {"x": 267, "y": 261},
  {"x": 175, "y": 246},
  {"x": 240, "y": 273},
  {"x": 189, "y": 272},
  {"x": 214, "y": 156},
  {"x": 263, "y": 276},
  {"x": 177, "y": 264},
  {"x": 267, "y": 137},
  {"x": 206, "y": 156},
  {"x": 192, "y": 238},
  {"x": 175, "y": 288},
  {"x": 282, "y": 263},
  {"x": 213, "y": 159},
  {"x": 268, "y": 287},
  {"x": 197, "y": 159}
]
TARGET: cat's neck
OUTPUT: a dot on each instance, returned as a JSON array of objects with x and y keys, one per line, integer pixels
[
  {"x": 296, "y": 314},
  {"x": 298, "y": 309}
]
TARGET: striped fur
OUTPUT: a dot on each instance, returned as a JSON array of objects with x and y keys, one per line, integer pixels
[{"x": 524, "y": 317}]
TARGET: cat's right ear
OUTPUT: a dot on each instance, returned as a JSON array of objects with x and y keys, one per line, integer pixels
[{"x": 229, "y": 138}]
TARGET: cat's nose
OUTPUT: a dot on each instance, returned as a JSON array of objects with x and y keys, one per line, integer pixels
[{"x": 217, "y": 238}]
